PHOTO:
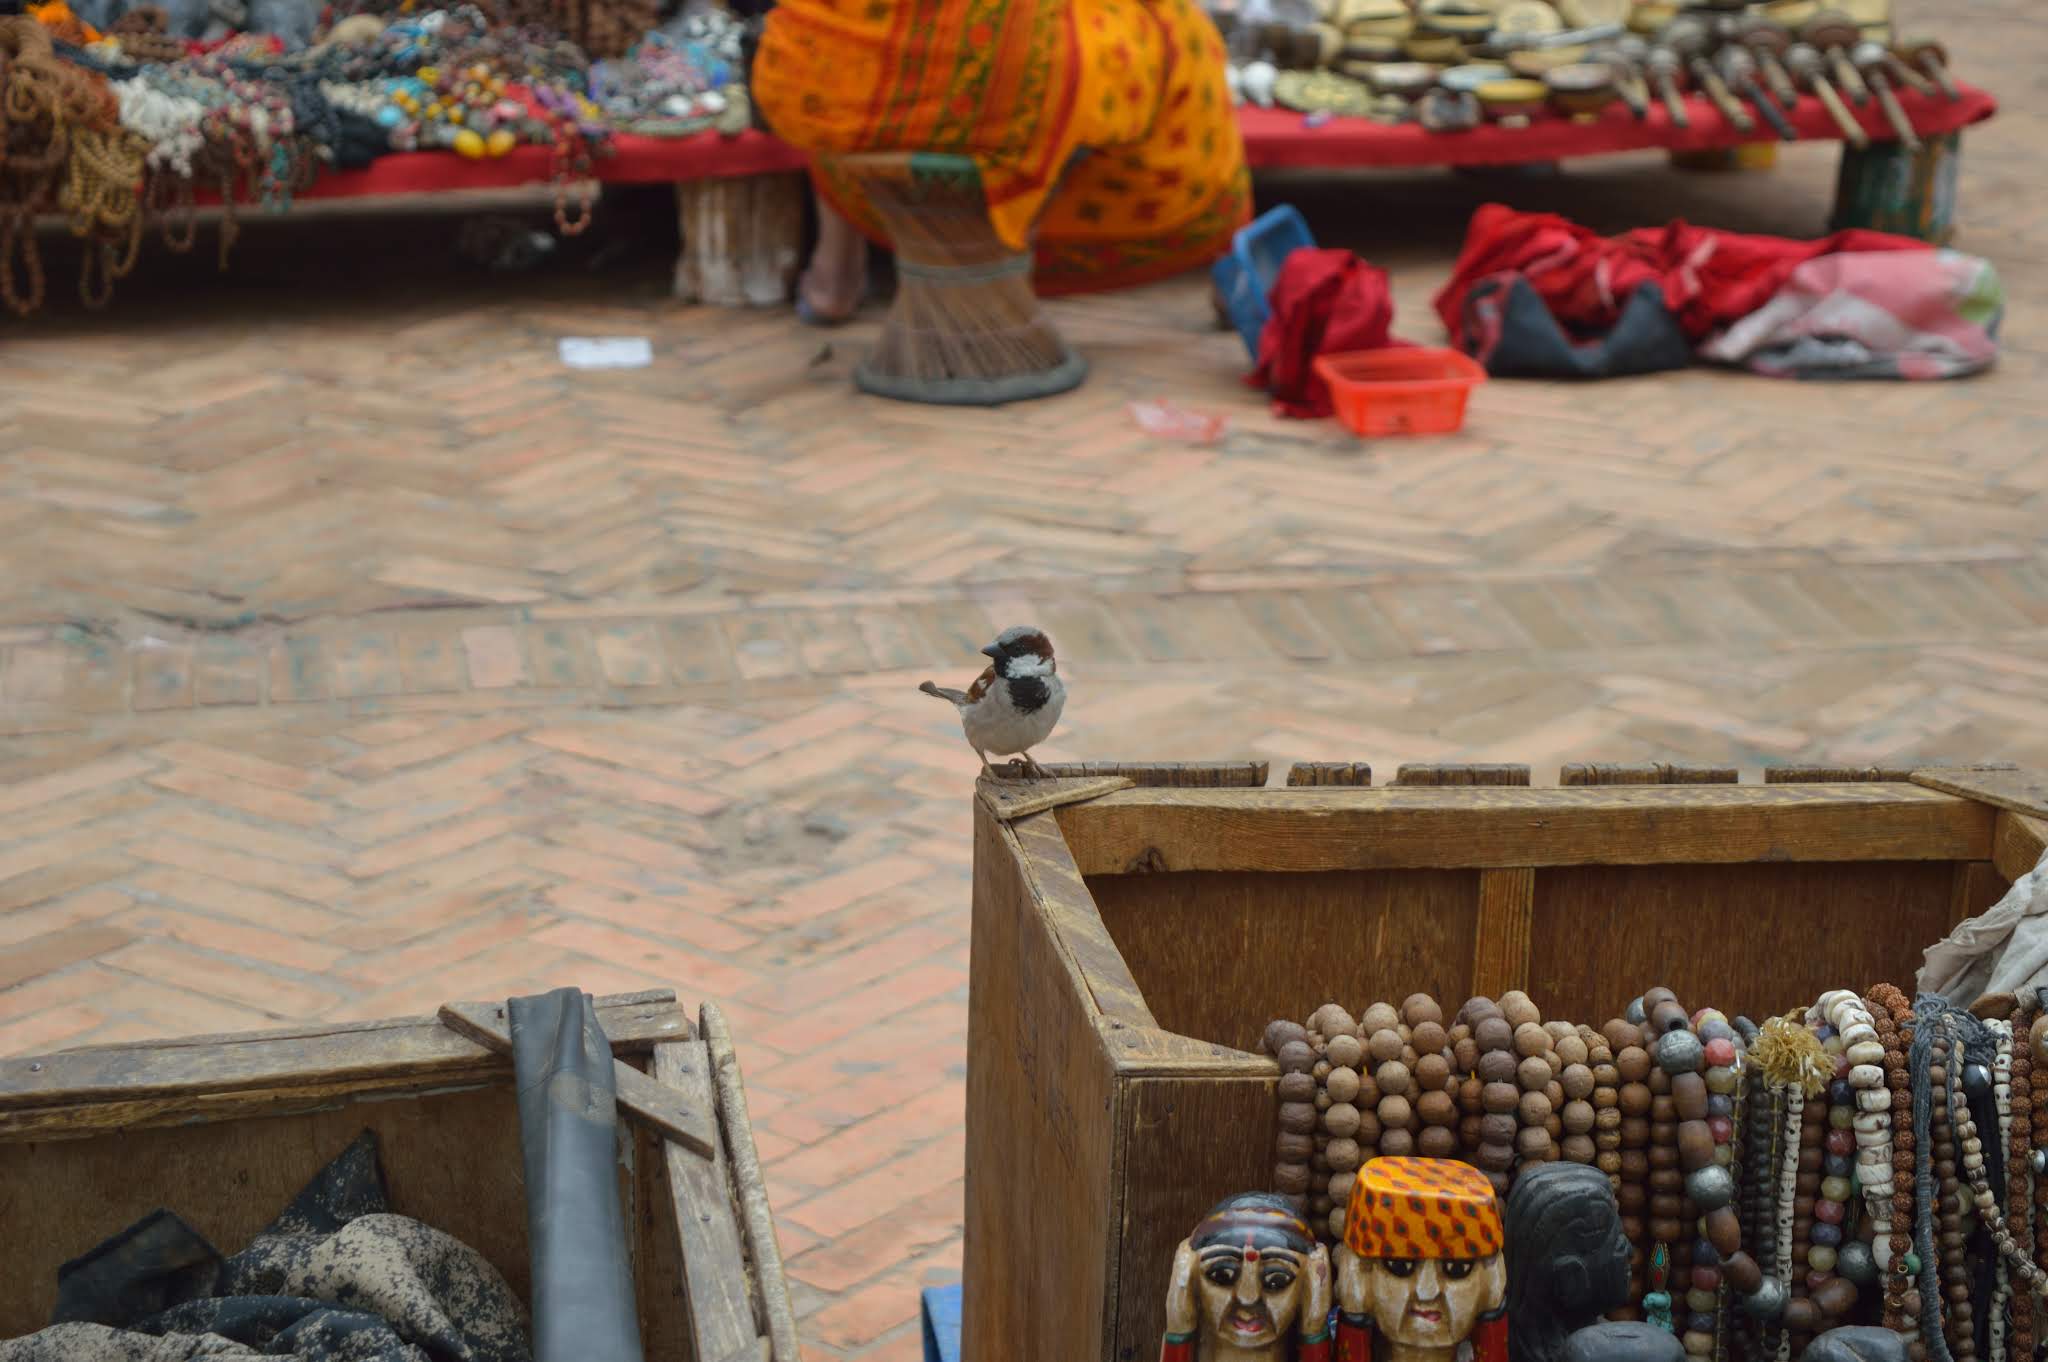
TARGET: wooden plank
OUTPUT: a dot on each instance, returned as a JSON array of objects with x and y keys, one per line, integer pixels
[
  {"x": 1183, "y": 1144},
  {"x": 633, "y": 1022},
  {"x": 722, "y": 1320},
  {"x": 2018, "y": 844},
  {"x": 1504, "y": 932},
  {"x": 1832, "y": 775},
  {"x": 2007, "y": 787},
  {"x": 750, "y": 1187},
  {"x": 1313, "y": 773},
  {"x": 639, "y": 1097},
  {"x": 1438, "y": 774},
  {"x": 1015, "y": 800},
  {"x": 196, "y": 1077},
  {"x": 1647, "y": 773},
  {"x": 1219, "y": 955},
  {"x": 1138, "y": 831},
  {"x": 1739, "y": 937},
  {"x": 1043, "y": 1205},
  {"x": 1074, "y": 922},
  {"x": 1186, "y": 775},
  {"x": 1976, "y": 886}
]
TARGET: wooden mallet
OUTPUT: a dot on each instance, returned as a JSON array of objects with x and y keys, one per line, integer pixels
[
  {"x": 1662, "y": 67},
  {"x": 1932, "y": 58},
  {"x": 1737, "y": 66},
  {"x": 1810, "y": 68},
  {"x": 1767, "y": 42},
  {"x": 1834, "y": 33},
  {"x": 1870, "y": 60},
  {"x": 1690, "y": 39}
]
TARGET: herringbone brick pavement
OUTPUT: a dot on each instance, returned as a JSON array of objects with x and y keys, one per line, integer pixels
[{"x": 354, "y": 656}]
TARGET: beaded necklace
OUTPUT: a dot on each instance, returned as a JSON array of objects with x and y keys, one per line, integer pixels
[
  {"x": 1956, "y": 1324},
  {"x": 1684, "y": 1047},
  {"x": 1632, "y": 1063},
  {"x": 1894, "y": 1018},
  {"x": 2019, "y": 1160},
  {"x": 2001, "y": 1077}
]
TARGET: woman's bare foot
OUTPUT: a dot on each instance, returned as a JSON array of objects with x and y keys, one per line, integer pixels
[{"x": 833, "y": 288}]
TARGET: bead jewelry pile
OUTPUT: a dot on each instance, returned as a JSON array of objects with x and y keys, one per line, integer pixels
[
  {"x": 117, "y": 126},
  {"x": 1867, "y": 1159}
]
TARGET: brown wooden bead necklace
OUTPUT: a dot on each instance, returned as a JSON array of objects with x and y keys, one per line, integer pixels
[
  {"x": 2019, "y": 1160},
  {"x": 1958, "y": 1320},
  {"x": 1894, "y": 1017}
]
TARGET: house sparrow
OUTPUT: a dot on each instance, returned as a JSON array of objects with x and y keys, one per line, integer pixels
[{"x": 1011, "y": 707}]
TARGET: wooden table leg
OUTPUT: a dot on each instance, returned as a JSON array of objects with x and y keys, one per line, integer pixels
[{"x": 741, "y": 240}]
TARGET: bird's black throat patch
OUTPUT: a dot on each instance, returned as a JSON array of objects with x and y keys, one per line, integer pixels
[{"x": 1029, "y": 693}]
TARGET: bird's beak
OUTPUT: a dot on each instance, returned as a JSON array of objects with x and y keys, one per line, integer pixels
[{"x": 992, "y": 651}]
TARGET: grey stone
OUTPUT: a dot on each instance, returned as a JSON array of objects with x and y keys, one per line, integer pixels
[
  {"x": 1857, "y": 1343},
  {"x": 1626, "y": 1342}
]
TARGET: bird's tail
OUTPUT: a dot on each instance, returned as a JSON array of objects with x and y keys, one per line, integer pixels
[{"x": 958, "y": 697}]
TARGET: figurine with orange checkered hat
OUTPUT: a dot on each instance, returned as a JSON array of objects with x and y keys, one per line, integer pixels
[{"x": 1421, "y": 1276}]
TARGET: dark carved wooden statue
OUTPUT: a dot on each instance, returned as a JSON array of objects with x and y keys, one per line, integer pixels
[{"x": 1567, "y": 1266}]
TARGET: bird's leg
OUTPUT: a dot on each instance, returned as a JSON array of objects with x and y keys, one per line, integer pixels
[
  {"x": 1032, "y": 768},
  {"x": 987, "y": 772}
]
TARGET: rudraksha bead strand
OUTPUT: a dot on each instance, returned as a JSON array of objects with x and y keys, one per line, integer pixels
[
  {"x": 2019, "y": 1166},
  {"x": 1893, "y": 1014}
]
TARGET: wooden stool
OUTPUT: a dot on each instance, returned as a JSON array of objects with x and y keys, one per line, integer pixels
[{"x": 965, "y": 329}]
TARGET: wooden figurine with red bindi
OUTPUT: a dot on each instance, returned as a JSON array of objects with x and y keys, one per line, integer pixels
[
  {"x": 1421, "y": 1276},
  {"x": 1251, "y": 1284}
]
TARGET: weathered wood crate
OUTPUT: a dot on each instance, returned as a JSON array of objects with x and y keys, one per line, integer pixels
[
  {"x": 225, "y": 1130},
  {"x": 1129, "y": 948}
]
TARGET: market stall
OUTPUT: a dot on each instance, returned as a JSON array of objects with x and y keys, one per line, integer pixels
[{"x": 1254, "y": 1020}]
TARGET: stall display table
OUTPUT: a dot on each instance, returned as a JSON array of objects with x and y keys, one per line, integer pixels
[
  {"x": 741, "y": 199},
  {"x": 1277, "y": 139}
]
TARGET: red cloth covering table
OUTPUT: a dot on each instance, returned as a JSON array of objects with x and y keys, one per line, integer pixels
[
  {"x": 634, "y": 160},
  {"x": 1274, "y": 139},
  {"x": 1277, "y": 139}
]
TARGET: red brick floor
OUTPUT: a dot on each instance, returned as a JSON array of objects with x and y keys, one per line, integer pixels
[{"x": 354, "y": 656}]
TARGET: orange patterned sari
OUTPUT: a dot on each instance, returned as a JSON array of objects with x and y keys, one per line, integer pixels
[{"x": 1103, "y": 128}]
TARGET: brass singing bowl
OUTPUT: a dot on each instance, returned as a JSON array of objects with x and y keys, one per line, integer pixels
[
  {"x": 1405, "y": 78},
  {"x": 1536, "y": 63},
  {"x": 1507, "y": 98},
  {"x": 1470, "y": 78},
  {"x": 1584, "y": 88},
  {"x": 1433, "y": 48}
]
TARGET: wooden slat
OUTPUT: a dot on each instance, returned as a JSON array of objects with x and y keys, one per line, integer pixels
[
  {"x": 756, "y": 1219},
  {"x": 1505, "y": 932},
  {"x": 1009, "y": 800},
  {"x": 217, "y": 1077},
  {"x": 639, "y": 1097},
  {"x": 1070, "y": 914},
  {"x": 1313, "y": 773},
  {"x": 1489, "y": 773},
  {"x": 1832, "y": 775},
  {"x": 1135, "y": 831},
  {"x": 2007, "y": 787},
  {"x": 2018, "y": 844},
  {"x": 1043, "y": 1192},
  {"x": 721, "y": 1310},
  {"x": 1648, "y": 773},
  {"x": 1978, "y": 885},
  {"x": 1184, "y": 775}
]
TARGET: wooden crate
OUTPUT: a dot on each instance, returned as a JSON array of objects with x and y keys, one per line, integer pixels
[
  {"x": 1129, "y": 948},
  {"x": 225, "y": 1130}
]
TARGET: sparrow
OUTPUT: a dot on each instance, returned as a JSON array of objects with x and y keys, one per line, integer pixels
[{"x": 1011, "y": 707}]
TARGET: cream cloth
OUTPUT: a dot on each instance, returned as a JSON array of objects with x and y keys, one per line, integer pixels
[{"x": 2004, "y": 949}]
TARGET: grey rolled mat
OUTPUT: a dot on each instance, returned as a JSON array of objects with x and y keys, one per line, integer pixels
[{"x": 583, "y": 1306}]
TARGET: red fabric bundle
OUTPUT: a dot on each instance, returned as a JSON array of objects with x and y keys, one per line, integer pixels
[
  {"x": 1324, "y": 302},
  {"x": 1710, "y": 279}
]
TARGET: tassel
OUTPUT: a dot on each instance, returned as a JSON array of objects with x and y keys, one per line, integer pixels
[{"x": 1788, "y": 1054}]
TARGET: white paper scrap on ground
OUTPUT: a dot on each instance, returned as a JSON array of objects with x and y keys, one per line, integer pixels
[{"x": 606, "y": 352}]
